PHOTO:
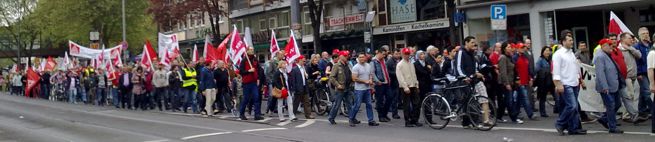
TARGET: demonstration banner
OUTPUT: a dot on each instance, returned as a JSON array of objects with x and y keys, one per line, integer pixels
[
  {"x": 84, "y": 52},
  {"x": 589, "y": 99}
]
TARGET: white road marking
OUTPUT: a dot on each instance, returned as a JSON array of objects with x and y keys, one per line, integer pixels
[
  {"x": 156, "y": 141},
  {"x": 284, "y": 123},
  {"x": 160, "y": 122},
  {"x": 262, "y": 129},
  {"x": 307, "y": 123},
  {"x": 552, "y": 130},
  {"x": 264, "y": 120},
  {"x": 205, "y": 135},
  {"x": 223, "y": 116}
]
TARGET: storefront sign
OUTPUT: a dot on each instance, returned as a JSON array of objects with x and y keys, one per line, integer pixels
[
  {"x": 338, "y": 21},
  {"x": 414, "y": 26},
  {"x": 403, "y": 11}
]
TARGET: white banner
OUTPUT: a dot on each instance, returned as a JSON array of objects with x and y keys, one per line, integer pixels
[
  {"x": 167, "y": 43},
  {"x": 589, "y": 99},
  {"x": 85, "y": 52}
]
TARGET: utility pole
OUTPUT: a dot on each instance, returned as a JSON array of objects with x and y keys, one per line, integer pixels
[
  {"x": 123, "y": 11},
  {"x": 295, "y": 21}
]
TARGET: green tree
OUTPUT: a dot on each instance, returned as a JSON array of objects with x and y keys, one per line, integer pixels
[{"x": 63, "y": 20}]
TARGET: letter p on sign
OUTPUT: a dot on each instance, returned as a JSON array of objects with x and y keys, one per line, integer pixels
[{"x": 498, "y": 12}]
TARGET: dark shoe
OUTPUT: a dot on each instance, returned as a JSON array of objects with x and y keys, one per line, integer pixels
[
  {"x": 261, "y": 118},
  {"x": 617, "y": 131},
  {"x": 418, "y": 124},
  {"x": 294, "y": 119},
  {"x": 544, "y": 115},
  {"x": 373, "y": 123},
  {"x": 383, "y": 119},
  {"x": 534, "y": 118},
  {"x": 242, "y": 117},
  {"x": 587, "y": 121},
  {"x": 604, "y": 124},
  {"x": 560, "y": 131},
  {"x": 409, "y": 124},
  {"x": 618, "y": 124},
  {"x": 332, "y": 122},
  {"x": 396, "y": 116},
  {"x": 578, "y": 132},
  {"x": 357, "y": 121},
  {"x": 352, "y": 123}
]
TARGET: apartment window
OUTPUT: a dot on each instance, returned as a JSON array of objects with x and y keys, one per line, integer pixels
[
  {"x": 263, "y": 26},
  {"x": 284, "y": 19},
  {"x": 192, "y": 20},
  {"x": 272, "y": 23},
  {"x": 307, "y": 24},
  {"x": 382, "y": 5},
  {"x": 239, "y": 24}
]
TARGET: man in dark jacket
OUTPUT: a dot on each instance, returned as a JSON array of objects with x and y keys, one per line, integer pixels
[
  {"x": 125, "y": 87},
  {"x": 223, "y": 98},
  {"x": 395, "y": 95},
  {"x": 382, "y": 79},
  {"x": 298, "y": 84},
  {"x": 45, "y": 85}
]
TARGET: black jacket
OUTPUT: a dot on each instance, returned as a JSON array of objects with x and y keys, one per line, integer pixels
[
  {"x": 278, "y": 80},
  {"x": 296, "y": 79},
  {"x": 121, "y": 80},
  {"x": 221, "y": 78},
  {"x": 422, "y": 74}
]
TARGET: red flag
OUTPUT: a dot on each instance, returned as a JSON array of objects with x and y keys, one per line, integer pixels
[
  {"x": 206, "y": 50},
  {"x": 292, "y": 51},
  {"x": 51, "y": 64},
  {"x": 616, "y": 26},
  {"x": 151, "y": 51},
  {"x": 237, "y": 47},
  {"x": 221, "y": 52},
  {"x": 274, "y": 47},
  {"x": 32, "y": 79}
]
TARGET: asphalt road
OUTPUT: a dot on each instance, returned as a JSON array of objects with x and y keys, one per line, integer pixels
[{"x": 23, "y": 119}]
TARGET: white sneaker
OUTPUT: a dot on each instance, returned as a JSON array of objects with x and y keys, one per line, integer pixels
[{"x": 519, "y": 121}]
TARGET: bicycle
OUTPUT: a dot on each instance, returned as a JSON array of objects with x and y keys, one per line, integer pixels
[
  {"x": 320, "y": 100},
  {"x": 436, "y": 107}
]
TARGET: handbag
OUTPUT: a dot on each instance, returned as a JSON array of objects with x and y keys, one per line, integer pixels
[{"x": 278, "y": 93}]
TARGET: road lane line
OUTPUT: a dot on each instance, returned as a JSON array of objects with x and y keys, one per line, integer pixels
[
  {"x": 156, "y": 141},
  {"x": 205, "y": 135},
  {"x": 263, "y": 129},
  {"x": 553, "y": 130},
  {"x": 284, "y": 123},
  {"x": 307, "y": 123},
  {"x": 160, "y": 122}
]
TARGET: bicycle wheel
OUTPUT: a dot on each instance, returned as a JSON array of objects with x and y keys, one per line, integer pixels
[
  {"x": 435, "y": 111},
  {"x": 481, "y": 112},
  {"x": 321, "y": 102}
]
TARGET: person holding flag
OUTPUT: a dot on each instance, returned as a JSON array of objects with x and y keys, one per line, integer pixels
[{"x": 251, "y": 75}]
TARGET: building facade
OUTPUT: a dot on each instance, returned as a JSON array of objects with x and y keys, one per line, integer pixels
[{"x": 542, "y": 20}]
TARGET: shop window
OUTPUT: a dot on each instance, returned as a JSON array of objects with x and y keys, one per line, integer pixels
[
  {"x": 431, "y": 9},
  {"x": 646, "y": 16}
]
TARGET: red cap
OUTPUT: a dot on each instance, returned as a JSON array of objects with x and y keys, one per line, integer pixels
[
  {"x": 406, "y": 51},
  {"x": 335, "y": 52},
  {"x": 605, "y": 41},
  {"x": 301, "y": 57},
  {"x": 344, "y": 53},
  {"x": 519, "y": 45}
]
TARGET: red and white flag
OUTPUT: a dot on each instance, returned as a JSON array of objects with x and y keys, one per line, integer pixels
[
  {"x": 616, "y": 26},
  {"x": 207, "y": 47},
  {"x": 42, "y": 66},
  {"x": 51, "y": 64},
  {"x": 221, "y": 51},
  {"x": 151, "y": 51},
  {"x": 274, "y": 46},
  {"x": 32, "y": 79},
  {"x": 116, "y": 57},
  {"x": 146, "y": 61},
  {"x": 67, "y": 62},
  {"x": 237, "y": 47},
  {"x": 194, "y": 55},
  {"x": 292, "y": 52}
]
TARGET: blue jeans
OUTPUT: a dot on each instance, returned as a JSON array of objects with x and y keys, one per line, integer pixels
[
  {"x": 362, "y": 95},
  {"x": 250, "y": 96},
  {"x": 114, "y": 97},
  {"x": 339, "y": 97},
  {"x": 72, "y": 95},
  {"x": 644, "y": 95},
  {"x": 520, "y": 98},
  {"x": 612, "y": 103},
  {"x": 569, "y": 118},
  {"x": 176, "y": 97},
  {"x": 45, "y": 91},
  {"x": 383, "y": 100},
  {"x": 83, "y": 93},
  {"x": 101, "y": 96},
  {"x": 190, "y": 99}
]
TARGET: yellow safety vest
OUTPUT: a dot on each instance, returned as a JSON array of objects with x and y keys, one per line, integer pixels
[{"x": 192, "y": 80}]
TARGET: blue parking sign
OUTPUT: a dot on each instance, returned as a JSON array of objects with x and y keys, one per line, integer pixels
[{"x": 498, "y": 12}]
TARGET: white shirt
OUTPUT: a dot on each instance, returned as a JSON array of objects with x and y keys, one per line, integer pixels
[
  {"x": 651, "y": 59},
  {"x": 565, "y": 67},
  {"x": 303, "y": 73}
]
